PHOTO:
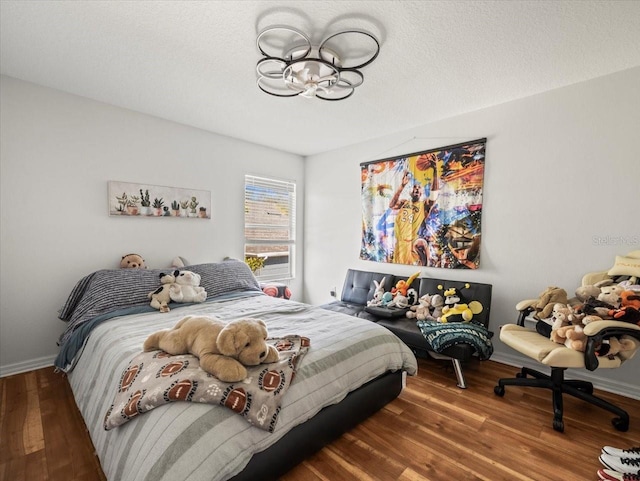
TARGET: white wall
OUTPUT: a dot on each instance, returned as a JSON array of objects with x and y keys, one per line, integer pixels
[
  {"x": 562, "y": 183},
  {"x": 57, "y": 153}
]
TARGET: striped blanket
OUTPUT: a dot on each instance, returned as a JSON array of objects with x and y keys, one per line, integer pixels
[{"x": 182, "y": 441}]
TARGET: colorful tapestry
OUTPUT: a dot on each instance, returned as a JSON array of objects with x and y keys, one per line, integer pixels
[{"x": 424, "y": 209}]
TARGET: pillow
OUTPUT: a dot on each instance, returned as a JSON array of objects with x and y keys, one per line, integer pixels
[
  {"x": 625, "y": 266},
  {"x": 110, "y": 290}
]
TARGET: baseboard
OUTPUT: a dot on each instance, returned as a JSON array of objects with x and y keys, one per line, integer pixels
[
  {"x": 31, "y": 365},
  {"x": 615, "y": 387}
]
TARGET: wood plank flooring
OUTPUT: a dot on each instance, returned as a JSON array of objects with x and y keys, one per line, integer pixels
[{"x": 432, "y": 432}]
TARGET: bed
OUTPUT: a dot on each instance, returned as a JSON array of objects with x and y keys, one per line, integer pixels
[{"x": 352, "y": 368}]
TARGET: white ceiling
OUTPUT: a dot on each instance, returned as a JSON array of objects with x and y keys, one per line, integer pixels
[{"x": 193, "y": 62}]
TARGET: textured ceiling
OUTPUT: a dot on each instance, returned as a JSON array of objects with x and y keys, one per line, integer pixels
[{"x": 194, "y": 62}]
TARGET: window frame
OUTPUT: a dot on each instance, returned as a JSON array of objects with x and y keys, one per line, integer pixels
[{"x": 282, "y": 190}]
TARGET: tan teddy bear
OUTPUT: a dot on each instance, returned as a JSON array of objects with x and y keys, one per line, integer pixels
[
  {"x": 132, "y": 261},
  {"x": 572, "y": 336},
  {"x": 223, "y": 349},
  {"x": 547, "y": 299},
  {"x": 568, "y": 328}
]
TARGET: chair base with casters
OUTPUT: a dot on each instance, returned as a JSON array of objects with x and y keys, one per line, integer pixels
[
  {"x": 559, "y": 386},
  {"x": 559, "y": 358}
]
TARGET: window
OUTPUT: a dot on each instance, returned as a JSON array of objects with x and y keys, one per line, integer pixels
[{"x": 270, "y": 226}]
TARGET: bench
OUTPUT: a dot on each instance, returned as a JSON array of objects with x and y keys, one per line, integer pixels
[{"x": 359, "y": 288}]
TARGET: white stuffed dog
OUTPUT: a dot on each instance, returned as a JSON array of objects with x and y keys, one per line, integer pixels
[
  {"x": 187, "y": 288},
  {"x": 160, "y": 298}
]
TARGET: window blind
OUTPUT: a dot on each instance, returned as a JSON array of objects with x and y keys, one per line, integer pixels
[{"x": 270, "y": 226}]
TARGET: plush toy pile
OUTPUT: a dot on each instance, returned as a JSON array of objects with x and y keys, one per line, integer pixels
[
  {"x": 450, "y": 306},
  {"x": 447, "y": 305},
  {"x": 615, "y": 297}
]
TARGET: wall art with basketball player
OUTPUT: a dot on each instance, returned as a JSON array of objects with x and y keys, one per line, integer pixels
[{"x": 425, "y": 208}]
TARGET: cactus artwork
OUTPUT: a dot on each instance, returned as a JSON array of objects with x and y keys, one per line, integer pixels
[
  {"x": 145, "y": 202},
  {"x": 193, "y": 204},
  {"x": 142, "y": 200},
  {"x": 122, "y": 200}
]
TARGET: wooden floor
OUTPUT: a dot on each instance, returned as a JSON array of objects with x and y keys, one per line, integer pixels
[{"x": 433, "y": 431}]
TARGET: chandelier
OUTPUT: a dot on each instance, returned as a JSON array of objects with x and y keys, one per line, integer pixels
[{"x": 291, "y": 65}]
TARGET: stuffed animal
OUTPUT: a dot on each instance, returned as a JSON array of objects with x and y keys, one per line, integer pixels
[
  {"x": 613, "y": 346},
  {"x": 387, "y": 297},
  {"x": 378, "y": 293},
  {"x": 572, "y": 336},
  {"x": 460, "y": 312},
  {"x": 402, "y": 286},
  {"x": 590, "y": 291},
  {"x": 179, "y": 262},
  {"x": 412, "y": 296},
  {"x": 611, "y": 295},
  {"x": 626, "y": 314},
  {"x": 551, "y": 296},
  {"x": 456, "y": 308},
  {"x": 594, "y": 310},
  {"x": 223, "y": 349},
  {"x": 160, "y": 298},
  {"x": 559, "y": 318},
  {"x": 132, "y": 261},
  {"x": 422, "y": 311},
  {"x": 187, "y": 288},
  {"x": 437, "y": 304},
  {"x": 630, "y": 285},
  {"x": 400, "y": 300},
  {"x": 568, "y": 327},
  {"x": 630, "y": 298}
]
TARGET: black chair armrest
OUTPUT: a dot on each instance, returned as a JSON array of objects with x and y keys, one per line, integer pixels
[
  {"x": 524, "y": 313},
  {"x": 598, "y": 331}
]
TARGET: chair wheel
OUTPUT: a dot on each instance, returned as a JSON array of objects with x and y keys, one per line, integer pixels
[
  {"x": 520, "y": 375},
  {"x": 558, "y": 425},
  {"x": 499, "y": 391},
  {"x": 588, "y": 388},
  {"x": 620, "y": 424}
]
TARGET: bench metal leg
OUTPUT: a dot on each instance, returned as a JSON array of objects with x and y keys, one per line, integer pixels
[{"x": 457, "y": 367}]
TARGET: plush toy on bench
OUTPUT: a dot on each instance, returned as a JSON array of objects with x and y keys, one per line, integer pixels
[
  {"x": 378, "y": 294},
  {"x": 456, "y": 308},
  {"x": 429, "y": 308}
]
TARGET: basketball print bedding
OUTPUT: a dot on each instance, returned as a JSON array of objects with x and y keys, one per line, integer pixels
[{"x": 186, "y": 441}]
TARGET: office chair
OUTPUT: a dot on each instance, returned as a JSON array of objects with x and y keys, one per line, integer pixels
[{"x": 559, "y": 358}]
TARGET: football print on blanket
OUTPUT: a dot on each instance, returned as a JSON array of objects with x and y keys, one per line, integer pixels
[{"x": 237, "y": 400}]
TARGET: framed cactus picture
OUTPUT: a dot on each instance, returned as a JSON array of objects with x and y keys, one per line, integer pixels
[{"x": 145, "y": 200}]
